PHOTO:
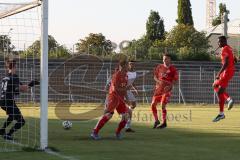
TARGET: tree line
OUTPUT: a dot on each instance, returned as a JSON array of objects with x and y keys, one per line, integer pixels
[{"x": 183, "y": 41}]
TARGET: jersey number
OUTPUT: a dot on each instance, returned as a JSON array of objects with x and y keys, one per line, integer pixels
[{"x": 4, "y": 85}]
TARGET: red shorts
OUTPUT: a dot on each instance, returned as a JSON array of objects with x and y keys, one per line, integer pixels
[
  {"x": 163, "y": 99},
  {"x": 115, "y": 102},
  {"x": 224, "y": 78}
]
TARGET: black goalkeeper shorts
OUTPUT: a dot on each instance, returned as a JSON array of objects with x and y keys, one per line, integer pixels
[{"x": 12, "y": 110}]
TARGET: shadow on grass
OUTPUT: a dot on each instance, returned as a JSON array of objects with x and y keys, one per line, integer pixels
[{"x": 146, "y": 143}]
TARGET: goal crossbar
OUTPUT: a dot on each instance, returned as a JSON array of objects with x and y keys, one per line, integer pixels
[{"x": 19, "y": 8}]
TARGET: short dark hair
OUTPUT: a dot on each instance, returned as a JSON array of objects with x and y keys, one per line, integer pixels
[
  {"x": 223, "y": 39},
  {"x": 167, "y": 55},
  {"x": 123, "y": 62},
  {"x": 11, "y": 63},
  {"x": 132, "y": 61}
]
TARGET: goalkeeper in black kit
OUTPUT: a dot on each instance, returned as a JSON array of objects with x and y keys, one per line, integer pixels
[{"x": 11, "y": 86}]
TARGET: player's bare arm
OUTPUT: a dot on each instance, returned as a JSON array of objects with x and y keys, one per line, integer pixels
[
  {"x": 156, "y": 79},
  {"x": 133, "y": 87},
  {"x": 224, "y": 66}
]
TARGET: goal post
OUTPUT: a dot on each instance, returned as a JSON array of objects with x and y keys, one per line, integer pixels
[{"x": 44, "y": 77}]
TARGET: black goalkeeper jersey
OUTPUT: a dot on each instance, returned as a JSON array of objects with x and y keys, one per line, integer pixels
[{"x": 9, "y": 88}]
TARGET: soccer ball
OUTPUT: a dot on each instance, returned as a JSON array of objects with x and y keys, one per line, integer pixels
[{"x": 67, "y": 124}]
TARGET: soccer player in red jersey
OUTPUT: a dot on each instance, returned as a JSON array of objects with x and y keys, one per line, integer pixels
[
  {"x": 166, "y": 76},
  {"x": 115, "y": 100},
  {"x": 224, "y": 76}
]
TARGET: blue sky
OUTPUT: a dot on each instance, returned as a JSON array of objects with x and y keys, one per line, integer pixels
[{"x": 70, "y": 20}]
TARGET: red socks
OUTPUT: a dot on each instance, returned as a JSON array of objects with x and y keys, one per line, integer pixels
[
  {"x": 155, "y": 114},
  {"x": 221, "y": 99},
  {"x": 121, "y": 126},
  {"x": 154, "y": 111},
  {"x": 164, "y": 115},
  {"x": 221, "y": 102},
  {"x": 104, "y": 120},
  {"x": 100, "y": 124},
  {"x": 226, "y": 96}
]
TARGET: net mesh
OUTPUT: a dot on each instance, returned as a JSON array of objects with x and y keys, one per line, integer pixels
[{"x": 19, "y": 29}]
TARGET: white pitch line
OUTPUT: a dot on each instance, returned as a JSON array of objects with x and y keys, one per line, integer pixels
[
  {"x": 47, "y": 151},
  {"x": 60, "y": 155}
]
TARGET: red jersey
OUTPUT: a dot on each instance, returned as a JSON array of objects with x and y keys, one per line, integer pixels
[
  {"x": 119, "y": 79},
  {"x": 168, "y": 74},
  {"x": 227, "y": 52}
]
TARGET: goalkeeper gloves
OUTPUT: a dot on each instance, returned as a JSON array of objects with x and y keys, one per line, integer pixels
[{"x": 33, "y": 83}]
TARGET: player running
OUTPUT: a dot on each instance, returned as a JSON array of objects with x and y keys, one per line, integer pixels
[
  {"x": 166, "y": 76},
  {"x": 224, "y": 76},
  {"x": 11, "y": 86},
  {"x": 117, "y": 93},
  {"x": 130, "y": 98}
]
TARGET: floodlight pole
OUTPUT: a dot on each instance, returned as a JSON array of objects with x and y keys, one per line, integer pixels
[
  {"x": 44, "y": 78},
  {"x": 225, "y": 26}
]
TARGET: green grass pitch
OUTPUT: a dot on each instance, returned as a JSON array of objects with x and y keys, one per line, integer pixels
[{"x": 191, "y": 134}]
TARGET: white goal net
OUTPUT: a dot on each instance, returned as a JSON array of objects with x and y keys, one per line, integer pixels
[{"x": 20, "y": 34}]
